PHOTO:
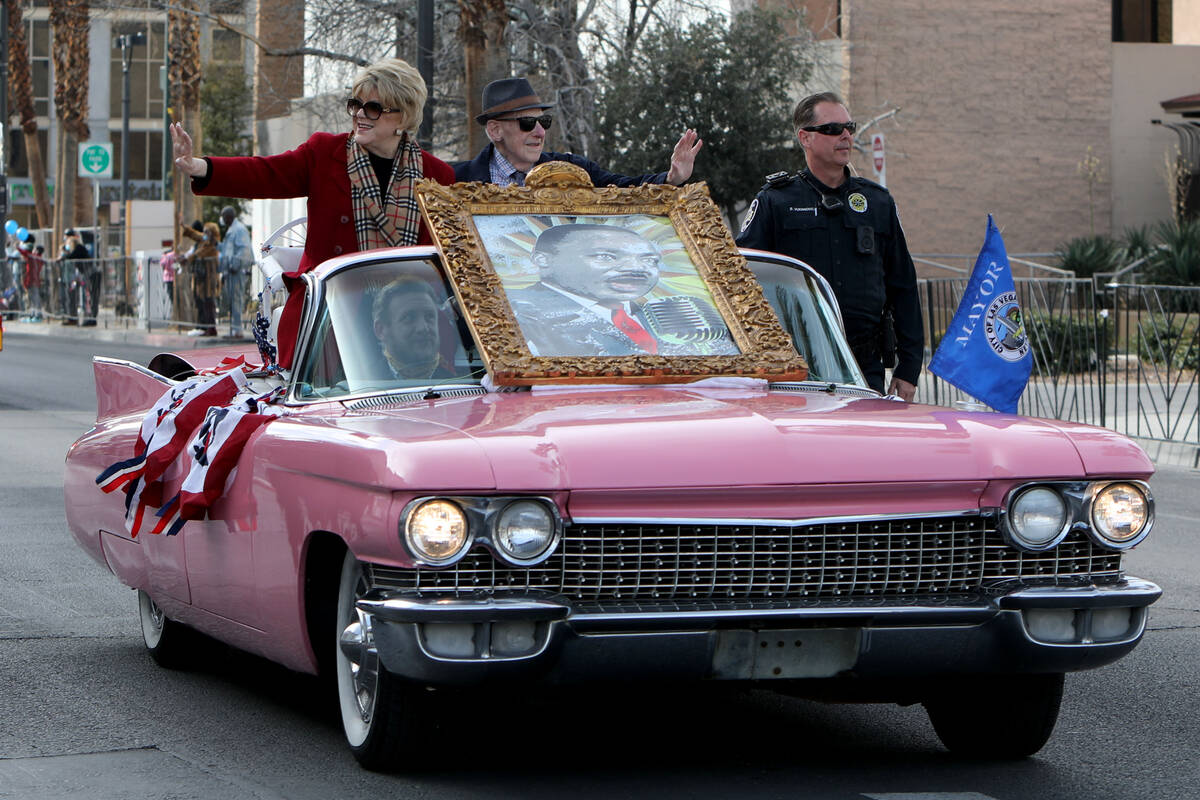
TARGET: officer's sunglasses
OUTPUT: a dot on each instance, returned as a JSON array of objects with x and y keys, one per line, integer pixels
[
  {"x": 529, "y": 123},
  {"x": 371, "y": 109},
  {"x": 832, "y": 128}
]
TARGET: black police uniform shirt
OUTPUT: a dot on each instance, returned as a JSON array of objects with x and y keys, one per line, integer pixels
[{"x": 858, "y": 246}]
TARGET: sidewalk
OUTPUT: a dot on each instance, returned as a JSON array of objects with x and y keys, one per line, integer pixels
[{"x": 110, "y": 328}]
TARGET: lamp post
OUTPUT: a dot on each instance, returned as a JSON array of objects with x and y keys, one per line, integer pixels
[{"x": 126, "y": 42}]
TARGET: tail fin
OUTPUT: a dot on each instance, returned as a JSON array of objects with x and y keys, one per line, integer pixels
[{"x": 123, "y": 387}]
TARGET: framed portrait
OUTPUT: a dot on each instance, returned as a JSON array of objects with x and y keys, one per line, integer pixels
[{"x": 562, "y": 282}]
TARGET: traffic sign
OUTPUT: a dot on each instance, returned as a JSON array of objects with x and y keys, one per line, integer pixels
[
  {"x": 878, "y": 153},
  {"x": 95, "y": 160}
]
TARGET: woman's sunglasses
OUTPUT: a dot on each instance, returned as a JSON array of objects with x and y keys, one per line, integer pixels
[
  {"x": 370, "y": 109},
  {"x": 528, "y": 123},
  {"x": 832, "y": 128}
]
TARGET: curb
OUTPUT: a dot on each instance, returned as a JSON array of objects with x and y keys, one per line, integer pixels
[{"x": 107, "y": 330}]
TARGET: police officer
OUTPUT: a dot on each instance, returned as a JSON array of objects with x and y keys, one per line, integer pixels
[{"x": 846, "y": 228}]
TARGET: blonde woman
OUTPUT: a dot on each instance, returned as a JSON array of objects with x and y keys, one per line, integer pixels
[{"x": 359, "y": 184}]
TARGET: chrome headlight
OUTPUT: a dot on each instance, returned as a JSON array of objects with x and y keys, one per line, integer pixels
[
  {"x": 524, "y": 530},
  {"x": 1121, "y": 514},
  {"x": 1038, "y": 518},
  {"x": 436, "y": 532}
]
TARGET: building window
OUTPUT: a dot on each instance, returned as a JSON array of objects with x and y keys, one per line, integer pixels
[
  {"x": 39, "y": 63},
  {"x": 1142, "y": 21},
  {"x": 226, "y": 47},
  {"x": 145, "y": 155},
  {"x": 145, "y": 67}
]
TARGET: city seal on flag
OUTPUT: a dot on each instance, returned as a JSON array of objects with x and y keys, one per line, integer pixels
[
  {"x": 985, "y": 351},
  {"x": 1004, "y": 328}
]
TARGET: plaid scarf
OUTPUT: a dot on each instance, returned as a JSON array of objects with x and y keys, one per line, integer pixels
[{"x": 381, "y": 219}]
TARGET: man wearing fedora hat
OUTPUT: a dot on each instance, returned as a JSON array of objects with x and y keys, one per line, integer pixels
[{"x": 517, "y": 137}]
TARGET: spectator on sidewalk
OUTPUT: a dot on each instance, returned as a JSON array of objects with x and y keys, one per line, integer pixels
[
  {"x": 11, "y": 276},
  {"x": 202, "y": 262},
  {"x": 74, "y": 258},
  {"x": 31, "y": 279},
  {"x": 235, "y": 263},
  {"x": 169, "y": 261}
]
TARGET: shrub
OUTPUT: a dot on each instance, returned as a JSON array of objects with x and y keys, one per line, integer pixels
[
  {"x": 1137, "y": 243},
  {"x": 1066, "y": 344},
  {"x": 1169, "y": 340},
  {"x": 1177, "y": 262},
  {"x": 1087, "y": 255}
]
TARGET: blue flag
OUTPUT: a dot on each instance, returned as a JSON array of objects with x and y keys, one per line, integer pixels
[{"x": 985, "y": 350}]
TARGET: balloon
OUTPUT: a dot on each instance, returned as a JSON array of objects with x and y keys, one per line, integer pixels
[
  {"x": 11, "y": 227},
  {"x": 22, "y": 234}
]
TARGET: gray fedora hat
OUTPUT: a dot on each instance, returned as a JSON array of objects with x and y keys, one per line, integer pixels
[{"x": 506, "y": 95}]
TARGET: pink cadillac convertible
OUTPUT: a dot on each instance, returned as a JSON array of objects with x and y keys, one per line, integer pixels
[{"x": 406, "y": 527}]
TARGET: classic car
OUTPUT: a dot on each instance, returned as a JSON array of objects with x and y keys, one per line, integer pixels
[{"x": 805, "y": 535}]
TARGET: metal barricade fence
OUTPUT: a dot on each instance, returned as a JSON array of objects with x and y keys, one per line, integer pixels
[
  {"x": 1155, "y": 340},
  {"x": 1125, "y": 358}
]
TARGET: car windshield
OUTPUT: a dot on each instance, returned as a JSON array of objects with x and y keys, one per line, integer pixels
[
  {"x": 386, "y": 325},
  {"x": 394, "y": 325},
  {"x": 809, "y": 319}
]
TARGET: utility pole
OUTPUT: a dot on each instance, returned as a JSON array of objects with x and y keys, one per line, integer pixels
[
  {"x": 425, "y": 67},
  {"x": 3, "y": 110}
]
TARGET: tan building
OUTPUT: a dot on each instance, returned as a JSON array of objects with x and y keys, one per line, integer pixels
[
  {"x": 276, "y": 80},
  {"x": 1000, "y": 105}
]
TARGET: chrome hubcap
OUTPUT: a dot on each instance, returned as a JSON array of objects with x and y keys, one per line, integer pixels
[
  {"x": 358, "y": 647},
  {"x": 156, "y": 616}
]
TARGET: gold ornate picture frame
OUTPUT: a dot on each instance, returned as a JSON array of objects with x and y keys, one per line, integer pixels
[{"x": 694, "y": 308}]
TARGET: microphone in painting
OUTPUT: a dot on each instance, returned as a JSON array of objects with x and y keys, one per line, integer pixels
[{"x": 682, "y": 318}]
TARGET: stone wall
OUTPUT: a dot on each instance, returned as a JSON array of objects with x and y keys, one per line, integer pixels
[{"x": 998, "y": 102}]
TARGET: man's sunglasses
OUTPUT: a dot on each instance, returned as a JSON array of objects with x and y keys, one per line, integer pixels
[
  {"x": 528, "y": 123},
  {"x": 832, "y": 128},
  {"x": 370, "y": 109}
]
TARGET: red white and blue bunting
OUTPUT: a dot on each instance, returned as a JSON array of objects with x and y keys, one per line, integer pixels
[{"x": 205, "y": 421}]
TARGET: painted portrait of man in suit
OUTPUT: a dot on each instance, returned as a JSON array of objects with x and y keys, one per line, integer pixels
[{"x": 591, "y": 299}]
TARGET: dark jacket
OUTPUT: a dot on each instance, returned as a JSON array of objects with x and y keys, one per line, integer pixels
[
  {"x": 478, "y": 169},
  {"x": 860, "y": 249}
]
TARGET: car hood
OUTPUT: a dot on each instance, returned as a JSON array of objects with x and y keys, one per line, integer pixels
[{"x": 679, "y": 436}]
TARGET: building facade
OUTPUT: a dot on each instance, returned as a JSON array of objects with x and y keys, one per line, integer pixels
[
  {"x": 1038, "y": 113},
  {"x": 275, "y": 80}
]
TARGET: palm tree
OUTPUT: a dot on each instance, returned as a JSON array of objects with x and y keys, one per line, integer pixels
[
  {"x": 69, "y": 21},
  {"x": 21, "y": 87},
  {"x": 184, "y": 73}
]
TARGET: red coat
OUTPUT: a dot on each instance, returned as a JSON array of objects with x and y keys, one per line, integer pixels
[{"x": 316, "y": 170}]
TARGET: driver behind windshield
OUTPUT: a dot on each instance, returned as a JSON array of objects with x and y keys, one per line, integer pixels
[{"x": 407, "y": 324}]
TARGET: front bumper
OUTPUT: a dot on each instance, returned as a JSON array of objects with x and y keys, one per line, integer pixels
[{"x": 1027, "y": 630}]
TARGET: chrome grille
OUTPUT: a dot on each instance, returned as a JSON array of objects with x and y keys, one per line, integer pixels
[{"x": 699, "y": 563}]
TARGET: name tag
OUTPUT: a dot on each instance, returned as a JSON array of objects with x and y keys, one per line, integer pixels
[{"x": 809, "y": 209}]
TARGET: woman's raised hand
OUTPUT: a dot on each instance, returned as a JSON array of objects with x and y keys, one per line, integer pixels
[{"x": 185, "y": 162}]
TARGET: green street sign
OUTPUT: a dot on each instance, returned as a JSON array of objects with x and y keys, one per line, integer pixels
[{"x": 95, "y": 160}]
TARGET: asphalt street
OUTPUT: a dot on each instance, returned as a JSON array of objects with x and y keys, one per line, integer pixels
[{"x": 84, "y": 712}]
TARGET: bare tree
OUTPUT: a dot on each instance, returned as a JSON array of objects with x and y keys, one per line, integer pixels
[
  {"x": 481, "y": 29},
  {"x": 21, "y": 85},
  {"x": 547, "y": 38}
]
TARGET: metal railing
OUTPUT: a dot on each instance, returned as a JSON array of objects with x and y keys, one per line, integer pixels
[
  {"x": 1155, "y": 336},
  {"x": 73, "y": 291},
  {"x": 1125, "y": 358}
]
